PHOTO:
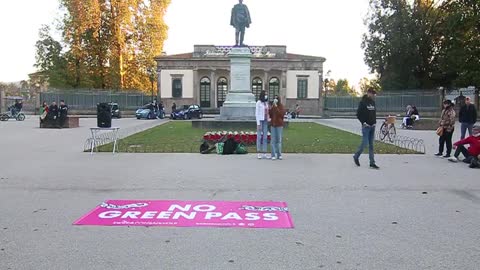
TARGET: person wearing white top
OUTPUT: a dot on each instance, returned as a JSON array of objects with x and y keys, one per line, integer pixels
[{"x": 262, "y": 116}]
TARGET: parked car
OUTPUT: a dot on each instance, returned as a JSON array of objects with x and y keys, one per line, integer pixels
[
  {"x": 145, "y": 112},
  {"x": 115, "y": 110},
  {"x": 188, "y": 112}
]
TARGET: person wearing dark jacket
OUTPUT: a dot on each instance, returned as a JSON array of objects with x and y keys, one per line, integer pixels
[
  {"x": 468, "y": 117},
  {"x": 367, "y": 115},
  {"x": 63, "y": 113},
  {"x": 53, "y": 111}
]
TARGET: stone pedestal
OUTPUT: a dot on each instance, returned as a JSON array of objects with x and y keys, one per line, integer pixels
[{"x": 240, "y": 101}]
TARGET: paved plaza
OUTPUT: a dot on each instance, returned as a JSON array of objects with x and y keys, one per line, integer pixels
[{"x": 417, "y": 212}]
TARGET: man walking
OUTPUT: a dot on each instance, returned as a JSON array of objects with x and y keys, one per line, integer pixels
[
  {"x": 367, "y": 115},
  {"x": 468, "y": 117}
]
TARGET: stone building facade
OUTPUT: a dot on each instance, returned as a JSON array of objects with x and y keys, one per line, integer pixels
[{"x": 203, "y": 77}]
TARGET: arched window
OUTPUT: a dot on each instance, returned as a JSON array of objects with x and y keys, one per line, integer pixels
[
  {"x": 274, "y": 87},
  {"x": 222, "y": 91},
  {"x": 257, "y": 87},
  {"x": 205, "y": 87}
]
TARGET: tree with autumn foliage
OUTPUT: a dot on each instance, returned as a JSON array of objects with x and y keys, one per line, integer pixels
[
  {"x": 109, "y": 44},
  {"x": 423, "y": 44}
]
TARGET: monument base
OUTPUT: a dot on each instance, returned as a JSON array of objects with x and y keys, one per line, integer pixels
[
  {"x": 240, "y": 102},
  {"x": 239, "y": 112}
]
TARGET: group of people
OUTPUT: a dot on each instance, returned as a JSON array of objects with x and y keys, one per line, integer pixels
[
  {"x": 411, "y": 116},
  {"x": 272, "y": 113},
  {"x": 54, "y": 113},
  {"x": 467, "y": 118},
  {"x": 366, "y": 114},
  {"x": 156, "y": 109}
]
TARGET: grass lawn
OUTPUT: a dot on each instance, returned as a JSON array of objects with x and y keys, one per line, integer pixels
[{"x": 180, "y": 137}]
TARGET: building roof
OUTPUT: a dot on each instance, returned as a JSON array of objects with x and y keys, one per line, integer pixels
[{"x": 273, "y": 52}]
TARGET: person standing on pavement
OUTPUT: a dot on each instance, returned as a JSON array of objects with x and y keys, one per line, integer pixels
[
  {"x": 277, "y": 114},
  {"x": 447, "y": 126},
  {"x": 262, "y": 116},
  {"x": 367, "y": 115},
  {"x": 467, "y": 117}
]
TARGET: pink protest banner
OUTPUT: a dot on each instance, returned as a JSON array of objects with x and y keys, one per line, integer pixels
[{"x": 189, "y": 214}]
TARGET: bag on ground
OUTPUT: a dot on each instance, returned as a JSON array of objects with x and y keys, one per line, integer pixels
[
  {"x": 229, "y": 146},
  {"x": 241, "y": 149},
  {"x": 220, "y": 148}
]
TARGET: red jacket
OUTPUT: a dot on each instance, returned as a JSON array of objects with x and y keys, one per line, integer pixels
[{"x": 474, "y": 143}]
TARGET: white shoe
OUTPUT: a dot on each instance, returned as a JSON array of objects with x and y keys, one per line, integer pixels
[
  {"x": 274, "y": 158},
  {"x": 259, "y": 156},
  {"x": 453, "y": 159},
  {"x": 280, "y": 158}
]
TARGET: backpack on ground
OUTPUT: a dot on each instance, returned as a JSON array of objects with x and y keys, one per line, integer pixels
[
  {"x": 241, "y": 149},
  {"x": 230, "y": 146}
]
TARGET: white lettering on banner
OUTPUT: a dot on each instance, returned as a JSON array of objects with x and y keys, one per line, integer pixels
[
  {"x": 232, "y": 216},
  {"x": 110, "y": 214},
  {"x": 214, "y": 53},
  {"x": 149, "y": 214},
  {"x": 210, "y": 208},
  {"x": 211, "y": 215},
  {"x": 252, "y": 216},
  {"x": 270, "y": 217},
  {"x": 164, "y": 215},
  {"x": 266, "y": 55},
  {"x": 223, "y": 51},
  {"x": 176, "y": 206},
  {"x": 184, "y": 215},
  {"x": 132, "y": 214}
]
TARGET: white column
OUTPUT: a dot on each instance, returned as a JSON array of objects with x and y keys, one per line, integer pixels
[
  {"x": 196, "y": 87},
  {"x": 266, "y": 83},
  {"x": 213, "y": 89},
  {"x": 159, "y": 85}
]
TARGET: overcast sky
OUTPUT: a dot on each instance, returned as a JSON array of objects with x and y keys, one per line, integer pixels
[{"x": 329, "y": 28}]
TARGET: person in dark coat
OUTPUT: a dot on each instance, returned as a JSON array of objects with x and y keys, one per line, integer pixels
[
  {"x": 18, "y": 107},
  {"x": 63, "y": 113},
  {"x": 53, "y": 111},
  {"x": 467, "y": 117},
  {"x": 367, "y": 115}
]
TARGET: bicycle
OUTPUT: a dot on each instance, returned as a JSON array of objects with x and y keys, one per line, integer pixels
[{"x": 388, "y": 130}]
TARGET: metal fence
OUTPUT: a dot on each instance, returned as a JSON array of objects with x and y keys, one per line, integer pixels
[
  {"x": 88, "y": 100},
  {"x": 429, "y": 101}
]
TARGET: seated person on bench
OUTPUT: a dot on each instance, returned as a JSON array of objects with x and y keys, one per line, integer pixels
[{"x": 411, "y": 116}]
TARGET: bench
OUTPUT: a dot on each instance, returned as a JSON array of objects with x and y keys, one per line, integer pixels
[
  {"x": 70, "y": 122},
  {"x": 426, "y": 124}
]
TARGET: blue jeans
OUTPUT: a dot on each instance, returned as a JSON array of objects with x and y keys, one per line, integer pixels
[
  {"x": 262, "y": 141},
  {"x": 277, "y": 134},
  {"x": 368, "y": 137},
  {"x": 465, "y": 127}
]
